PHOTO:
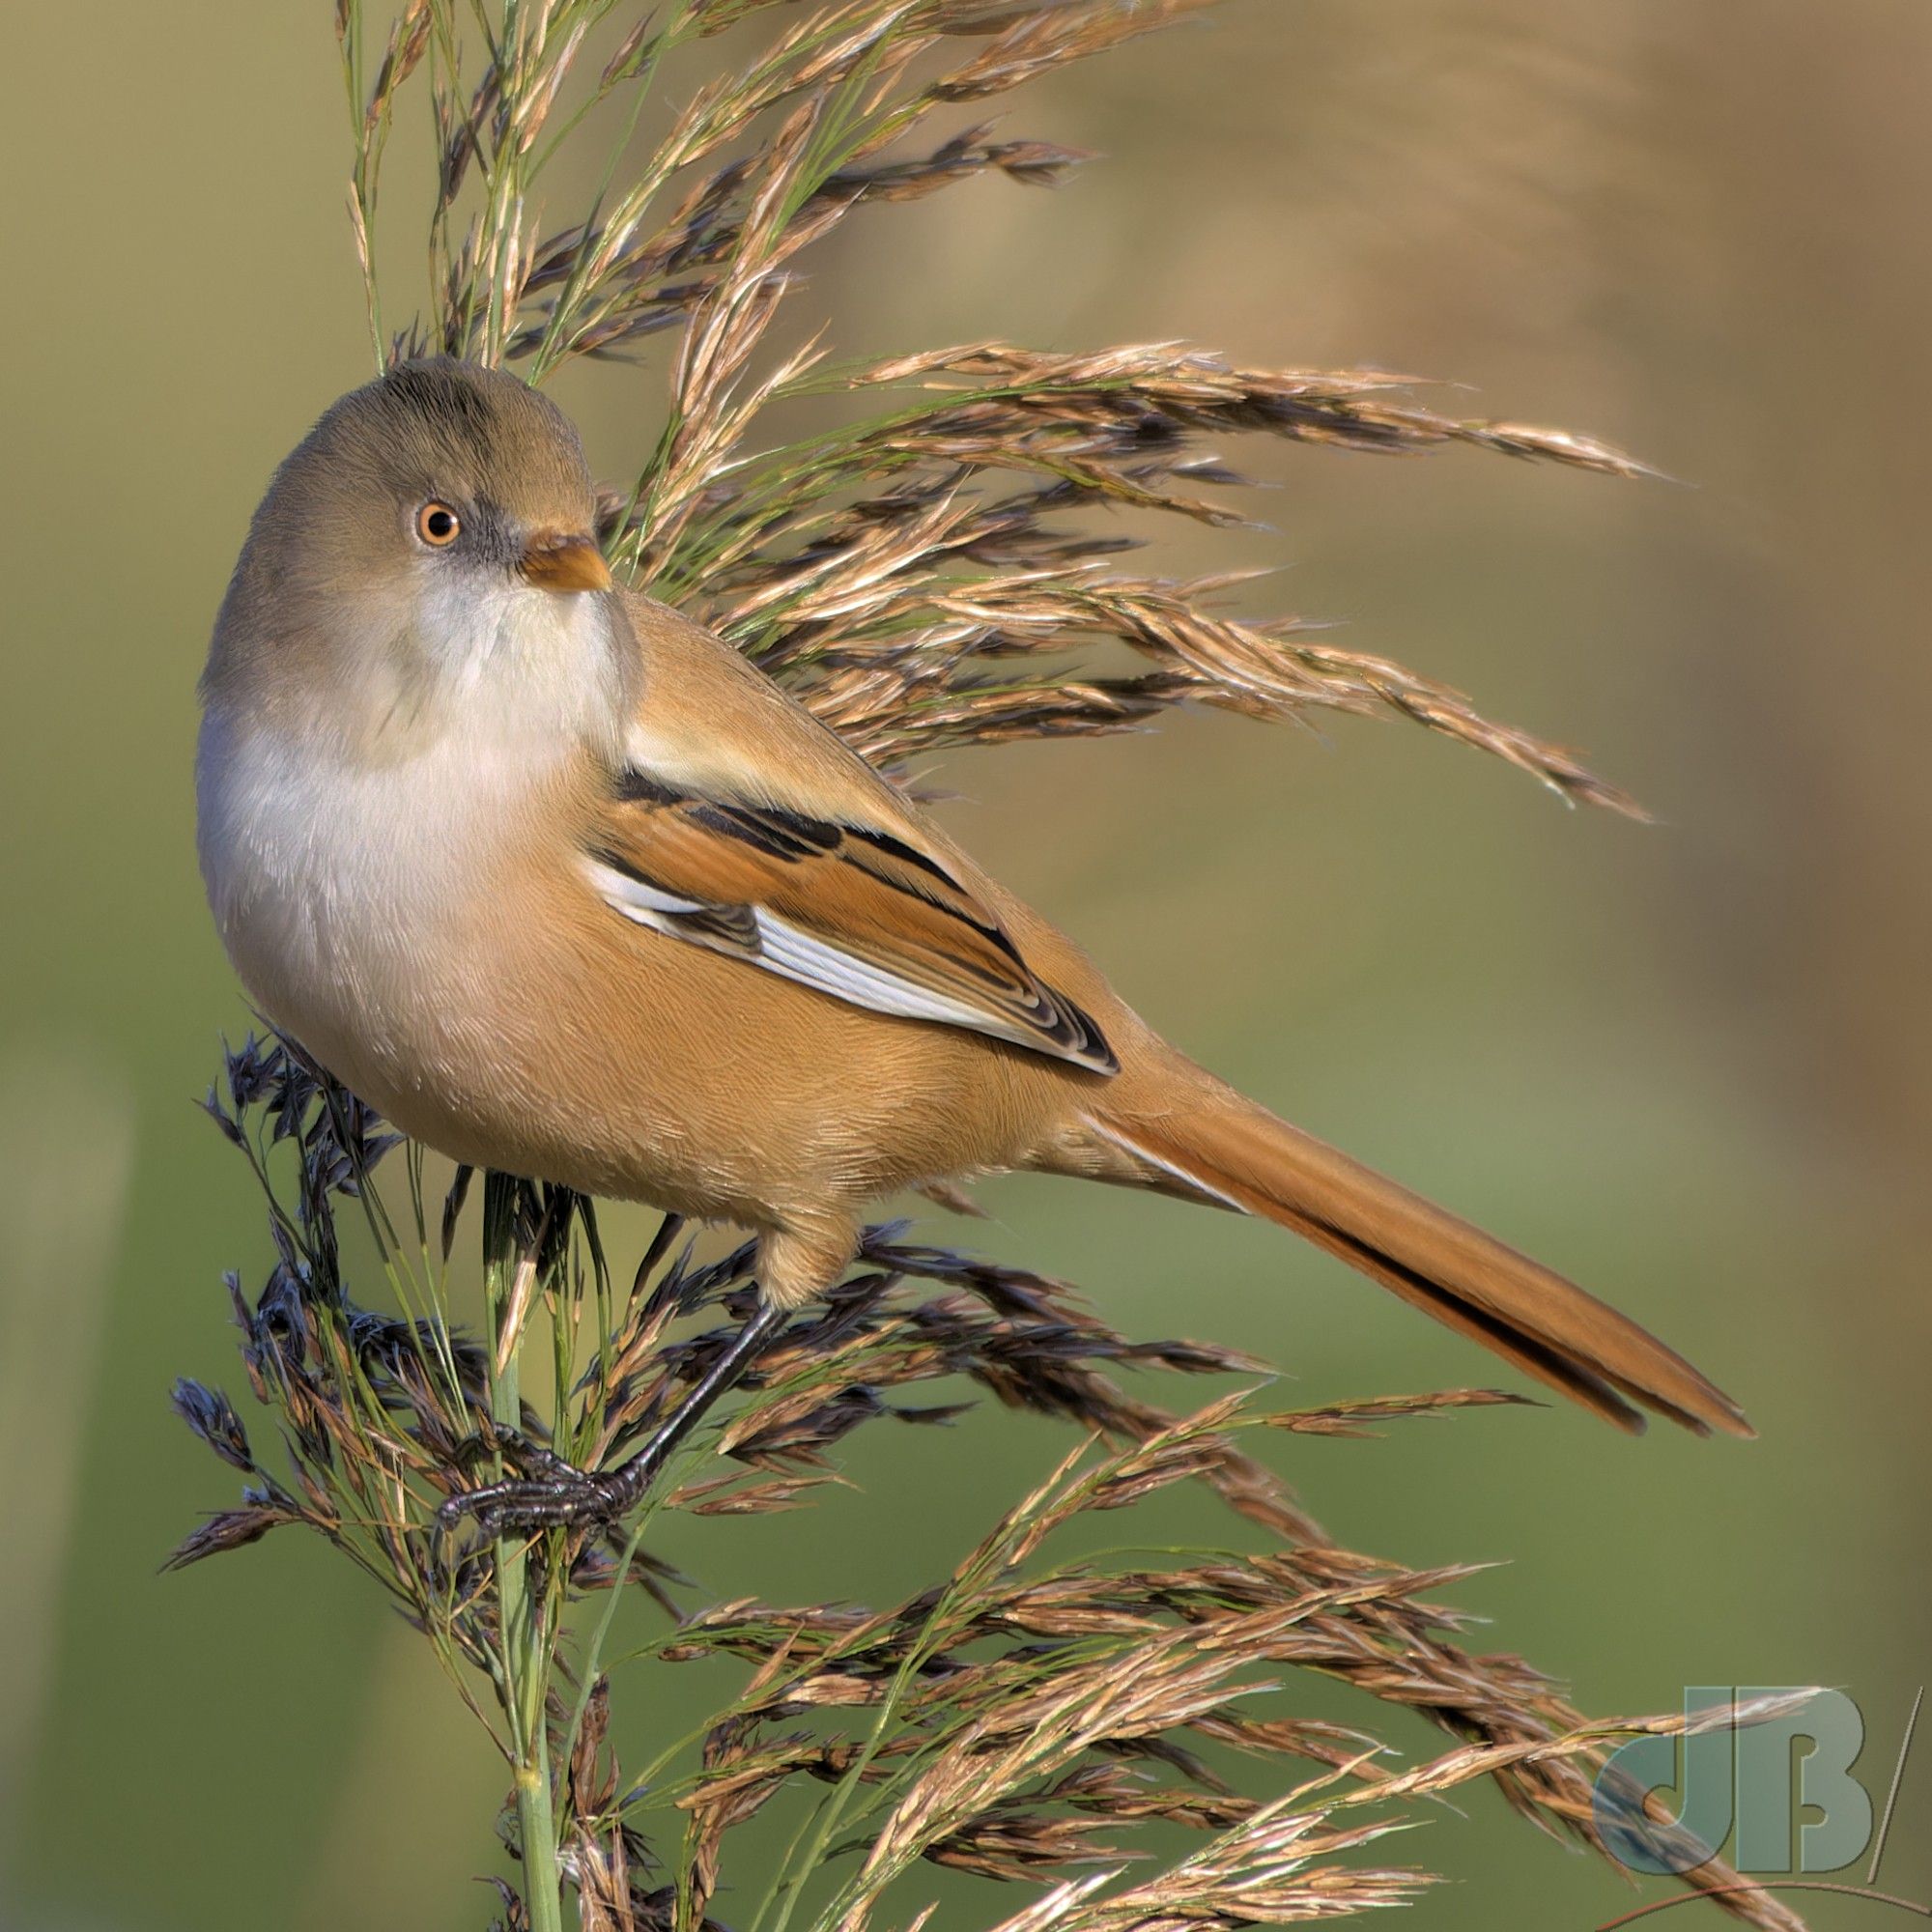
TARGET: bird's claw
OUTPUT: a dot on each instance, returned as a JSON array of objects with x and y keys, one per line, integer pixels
[
  {"x": 560, "y": 1497},
  {"x": 549, "y": 1494}
]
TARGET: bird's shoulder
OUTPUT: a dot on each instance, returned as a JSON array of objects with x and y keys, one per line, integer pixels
[
  {"x": 741, "y": 823},
  {"x": 706, "y": 717}
]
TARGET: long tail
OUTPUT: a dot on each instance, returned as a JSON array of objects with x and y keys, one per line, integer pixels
[{"x": 1208, "y": 1139}]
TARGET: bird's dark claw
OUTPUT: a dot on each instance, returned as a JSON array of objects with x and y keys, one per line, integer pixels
[
  {"x": 550, "y": 1494},
  {"x": 558, "y": 1497}
]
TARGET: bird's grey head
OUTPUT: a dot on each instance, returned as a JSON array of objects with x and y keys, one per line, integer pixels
[{"x": 434, "y": 529}]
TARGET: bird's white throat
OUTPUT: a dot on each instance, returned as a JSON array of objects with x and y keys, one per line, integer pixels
[{"x": 509, "y": 664}]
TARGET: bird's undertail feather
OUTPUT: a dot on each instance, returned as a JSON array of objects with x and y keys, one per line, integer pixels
[{"x": 1225, "y": 1146}]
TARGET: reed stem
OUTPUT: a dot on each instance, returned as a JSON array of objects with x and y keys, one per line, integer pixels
[{"x": 525, "y": 1647}]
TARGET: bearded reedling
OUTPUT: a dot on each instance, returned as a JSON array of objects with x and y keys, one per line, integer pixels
[{"x": 569, "y": 889}]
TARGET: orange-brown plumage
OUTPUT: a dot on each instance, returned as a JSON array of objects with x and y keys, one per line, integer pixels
[{"x": 581, "y": 894}]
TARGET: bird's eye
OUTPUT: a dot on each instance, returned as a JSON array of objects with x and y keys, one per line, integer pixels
[{"x": 438, "y": 524}]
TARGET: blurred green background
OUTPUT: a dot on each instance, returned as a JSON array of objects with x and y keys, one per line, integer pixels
[{"x": 1688, "y": 1064}]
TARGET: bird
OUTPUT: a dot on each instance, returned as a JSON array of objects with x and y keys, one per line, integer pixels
[{"x": 566, "y": 887}]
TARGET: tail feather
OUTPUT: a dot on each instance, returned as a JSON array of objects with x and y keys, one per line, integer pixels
[{"x": 1239, "y": 1153}]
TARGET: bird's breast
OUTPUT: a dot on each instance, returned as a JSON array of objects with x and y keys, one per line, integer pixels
[{"x": 342, "y": 886}]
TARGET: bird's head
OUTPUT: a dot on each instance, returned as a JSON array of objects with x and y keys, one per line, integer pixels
[{"x": 434, "y": 533}]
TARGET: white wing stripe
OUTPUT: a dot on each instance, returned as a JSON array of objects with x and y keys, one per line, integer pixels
[
  {"x": 796, "y": 955},
  {"x": 792, "y": 953},
  {"x": 634, "y": 899}
]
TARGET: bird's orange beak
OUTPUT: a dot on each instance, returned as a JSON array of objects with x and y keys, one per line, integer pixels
[{"x": 557, "y": 563}]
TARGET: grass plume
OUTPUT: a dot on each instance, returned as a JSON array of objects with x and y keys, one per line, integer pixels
[
  {"x": 930, "y": 565},
  {"x": 1027, "y": 1717}
]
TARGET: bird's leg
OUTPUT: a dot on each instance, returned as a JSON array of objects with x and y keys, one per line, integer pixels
[
  {"x": 630, "y": 1482},
  {"x": 562, "y": 1497}
]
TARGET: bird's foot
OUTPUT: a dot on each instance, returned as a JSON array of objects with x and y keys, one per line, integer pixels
[
  {"x": 553, "y": 1495},
  {"x": 536, "y": 1503}
]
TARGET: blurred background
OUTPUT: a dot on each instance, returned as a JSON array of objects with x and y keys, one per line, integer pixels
[{"x": 1689, "y": 1063}]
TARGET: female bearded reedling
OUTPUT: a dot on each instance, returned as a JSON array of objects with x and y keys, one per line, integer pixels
[{"x": 567, "y": 888}]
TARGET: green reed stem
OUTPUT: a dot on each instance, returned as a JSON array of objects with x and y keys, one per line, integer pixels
[{"x": 525, "y": 1651}]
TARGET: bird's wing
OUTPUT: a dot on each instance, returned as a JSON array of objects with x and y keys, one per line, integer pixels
[{"x": 830, "y": 898}]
